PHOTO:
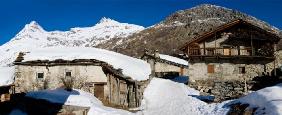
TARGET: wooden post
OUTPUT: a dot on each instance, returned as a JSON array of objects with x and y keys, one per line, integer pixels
[
  {"x": 274, "y": 50},
  {"x": 204, "y": 48},
  {"x": 188, "y": 51},
  {"x": 214, "y": 43},
  {"x": 238, "y": 47},
  {"x": 252, "y": 44}
]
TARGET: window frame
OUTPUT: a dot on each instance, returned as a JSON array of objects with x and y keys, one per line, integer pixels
[
  {"x": 39, "y": 78},
  {"x": 242, "y": 70}
]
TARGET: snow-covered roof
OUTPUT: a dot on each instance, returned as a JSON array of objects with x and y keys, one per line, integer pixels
[
  {"x": 137, "y": 69},
  {"x": 174, "y": 59}
]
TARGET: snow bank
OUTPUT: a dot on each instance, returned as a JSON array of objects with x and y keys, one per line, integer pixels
[
  {"x": 135, "y": 68},
  {"x": 165, "y": 97},
  {"x": 267, "y": 100},
  {"x": 174, "y": 59},
  {"x": 75, "y": 98},
  {"x": 102, "y": 110},
  {"x": 6, "y": 75}
]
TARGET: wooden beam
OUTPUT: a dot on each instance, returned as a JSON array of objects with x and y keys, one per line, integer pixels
[
  {"x": 204, "y": 48},
  {"x": 215, "y": 43},
  {"x": 252, "y": 48}
]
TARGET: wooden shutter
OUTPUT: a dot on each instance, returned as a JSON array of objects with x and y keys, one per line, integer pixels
[
  {"x": 226, "y": 51},
  {"x": 210, "y": 68}
]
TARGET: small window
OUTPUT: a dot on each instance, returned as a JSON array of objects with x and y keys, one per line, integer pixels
[
  {"x": 242, "y": 70},
  {"x": 210, "y": 68},
  {"x": 68, "y": 74},
  {"x": 40, "y": 75}
]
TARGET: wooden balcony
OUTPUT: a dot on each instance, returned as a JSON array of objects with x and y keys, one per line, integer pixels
[{"x": 226, "y": 53}]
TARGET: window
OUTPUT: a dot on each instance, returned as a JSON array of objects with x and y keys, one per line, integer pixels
[
  {"x": 210, "y": 68},
  {"x": 242, "y": 70},
  {"x": 40, "y": 76},
  {"x": 68, "y": 74}
]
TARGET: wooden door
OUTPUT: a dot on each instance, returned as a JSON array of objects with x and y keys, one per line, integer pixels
[
  {"x": 181, "y": 71},
  {"x": 99, "y": 91}
]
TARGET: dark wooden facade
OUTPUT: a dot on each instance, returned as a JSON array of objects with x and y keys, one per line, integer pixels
[{"x": 235, "y": 41}]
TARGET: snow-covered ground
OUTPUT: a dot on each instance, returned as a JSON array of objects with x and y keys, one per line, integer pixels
[
  {"x": 76, "y": 98},
  {"x": 267, "y": 100},
  {"x": 165, "y": 97},
  {"x": 174, "y": 59},
  {"x": 137, "y": 69}
]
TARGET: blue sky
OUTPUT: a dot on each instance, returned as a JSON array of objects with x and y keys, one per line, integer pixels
[{"x": 64, "y": 14}]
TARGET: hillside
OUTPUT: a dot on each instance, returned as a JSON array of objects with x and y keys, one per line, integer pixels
[{"x": 171, "y": 33}]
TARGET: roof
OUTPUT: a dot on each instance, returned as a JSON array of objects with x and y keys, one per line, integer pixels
[
  {"x": 227, "y": 26},
  {"x": 136, "y": 69},
  {"x": 174, "y": 59},
  {"x": 167, "y": 59}
]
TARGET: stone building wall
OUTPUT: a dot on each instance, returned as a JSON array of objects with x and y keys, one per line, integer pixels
[
  {"x": 225, "y": 71},
  {"x": 164, "y": 67},
  {"x": 26, "y": 76}
]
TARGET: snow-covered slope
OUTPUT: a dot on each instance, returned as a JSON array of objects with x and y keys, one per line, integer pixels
[
  {"x": 165, "y": 97},
  {"x": 267, "y": 100},
  {"x": 33, "y": 36},
  {"x": 137, "y": 69}
]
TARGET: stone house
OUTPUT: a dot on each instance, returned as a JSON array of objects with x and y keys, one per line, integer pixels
[
  {"x": 107, "y": 83},
  {"x": 165, "y": 66},
  {"x": 224, "y": 61},
  {"x": 235, "y": 50}
]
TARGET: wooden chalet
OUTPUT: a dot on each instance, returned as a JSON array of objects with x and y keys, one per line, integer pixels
[{"x": 230, "y": 48}]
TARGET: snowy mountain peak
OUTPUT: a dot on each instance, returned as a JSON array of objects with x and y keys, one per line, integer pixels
[
  {"x": 33, "y": 36},
  {"x": 107, "y": 20},
  {"x": 33, "y": 26}
]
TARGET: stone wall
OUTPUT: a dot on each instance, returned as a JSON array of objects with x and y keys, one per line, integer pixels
[
  {"x": 164, "y": 67},
  {"x": 26, "y": 76},
  {"x": 222, "y": 90},
  {"x": 225, "y": 71}
]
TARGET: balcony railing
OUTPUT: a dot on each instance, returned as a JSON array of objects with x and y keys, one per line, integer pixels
[{"x": 224, "y": 52}]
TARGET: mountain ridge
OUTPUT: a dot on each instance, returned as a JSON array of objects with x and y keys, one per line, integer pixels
[
  {"x": 170, "y": 34},
  {"x": 34, "y": 36}
]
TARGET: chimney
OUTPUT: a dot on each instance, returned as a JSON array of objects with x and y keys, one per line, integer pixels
[{"x": 157, "y": 54}]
